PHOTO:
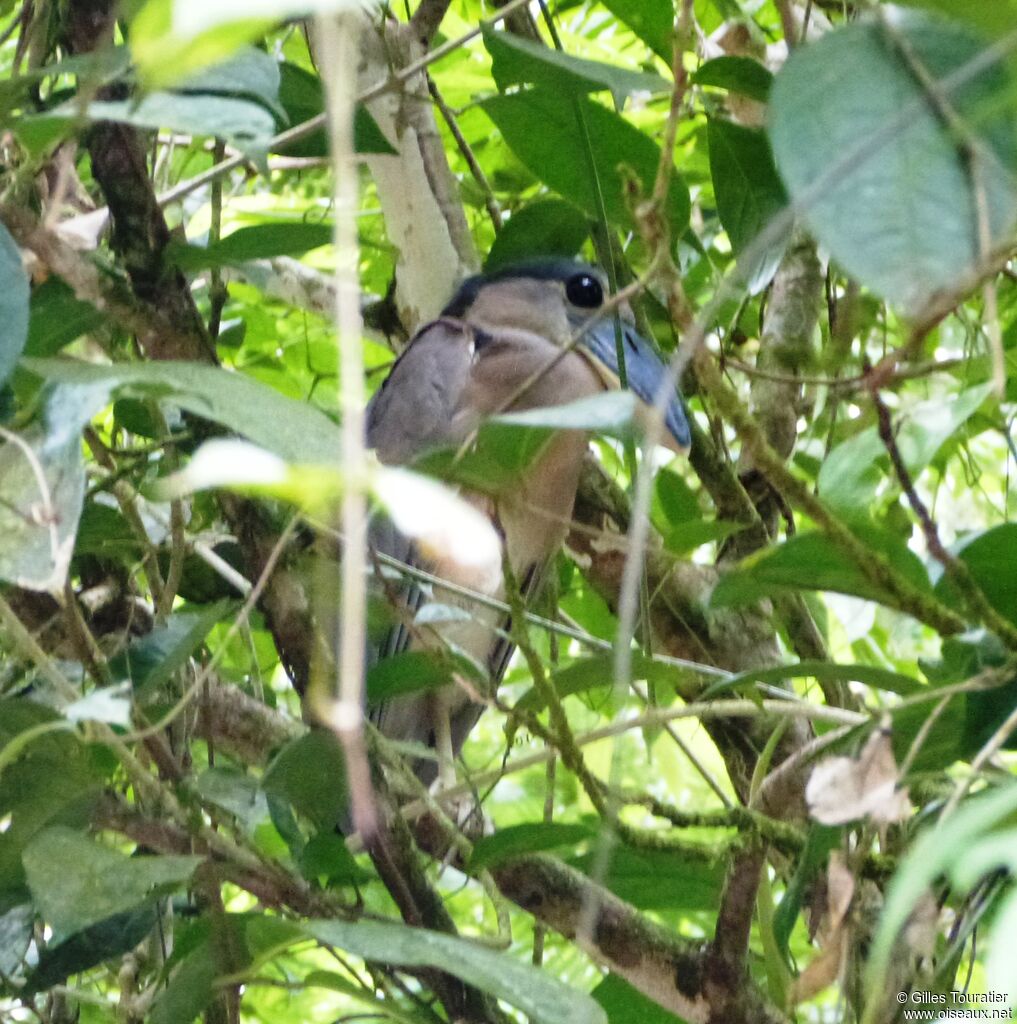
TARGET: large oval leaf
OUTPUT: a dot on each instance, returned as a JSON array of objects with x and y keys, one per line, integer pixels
[
  {"x": 75, "y": 882},
  {"x": 811, "y": 561},
  {"x": 544, "y": 999},
  {"x": 749, "y": 194},
  {"x": 991, "y": 558},
  {"x": 547, "y": 227},
  {"x": 651, "y": 20},
  {"x": 542, "y": 129},
  {"x": 518, "y": 60},
  {"x": 42, "y": 488},
  {"x": 883, "y": 181},
  {"x": 296, "y": 431}
]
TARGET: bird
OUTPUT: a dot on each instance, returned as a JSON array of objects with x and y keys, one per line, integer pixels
[{"x": 524, "y": 337}]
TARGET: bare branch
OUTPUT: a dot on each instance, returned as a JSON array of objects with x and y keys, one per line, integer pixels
[{"x": 426, "y": 19}]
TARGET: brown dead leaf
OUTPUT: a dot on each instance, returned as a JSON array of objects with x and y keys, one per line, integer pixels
[
  {"x": 843, "y": 789},
  {"x": 833, "y": 933}
]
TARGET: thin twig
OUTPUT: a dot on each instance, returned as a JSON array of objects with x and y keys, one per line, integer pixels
[
  {"x": 874, "y": 566},
  {"x": 787, "y": 22},
  {"x": 988, "y": 750},
  {"x": 845, "y": 383},
  {"x": 704, "y": 773},
  {"x": 553, "y": 626},
  {"x": 656, "y": 718},
  {"x": 205, "y": 675},
  {"x": 958, "y": 572},
  {"x": 490, "y": 203}
]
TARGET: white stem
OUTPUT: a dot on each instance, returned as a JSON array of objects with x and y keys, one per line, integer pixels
[{"x": 338, "y": 39}]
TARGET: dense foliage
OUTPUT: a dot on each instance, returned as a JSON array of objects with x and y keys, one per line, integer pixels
[{"x": 792, "y": 799}]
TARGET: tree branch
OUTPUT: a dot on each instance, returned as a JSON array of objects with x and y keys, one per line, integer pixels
[{"x": 426, "y": 20}]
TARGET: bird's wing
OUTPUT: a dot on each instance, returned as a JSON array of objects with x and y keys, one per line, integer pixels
[
  {"x": 414, "y": 409},
  {"x": 411, "y": 412}
]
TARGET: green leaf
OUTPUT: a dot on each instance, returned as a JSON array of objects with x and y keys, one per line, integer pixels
[
  {"x": 811, "y": 561},
  {"x": 367, "y": 135},
  {"x": 302, "y": 97},
  {"x": 16, "y": 921},
  {"x": 191, "y": 17},
  {"x": 38, "y": 518},
  {"x": 594, "y": 672},
  {"x": 610, "y": 412},
  {"x": 57, "y": 318},
  {"x": 248, "y": 73},
  {"x": 325, "y": 855},
  {"x": 743, "y": 75},
  {"x": 76, "y": 883},
  {"x": 51, "y": 780},
  {"x": 870, "y": 675},
  {"x": 849, "y": 477},
  {"x": 165, "y": 52},
  {"x": 749, "y": 194},
  {"x": 998, "y": 961},
  {"x": 623, "y": 1004},
  {"x": 97, "y": 68},
  {"x": 245, "y": 124},
  {"x": 651, "y": 20},
  {"x": 189, "y": 990},
  {"x": 995, "y": 19},
  {"x": 91, "y": 946},
  {"x": 517, "y": 840},
  {"x": 689, "y": 536},
  {"x": 259, "y": 241},
  {"x": 516, "y": 61},
  {"x": 677, "y": 501},
  {"x": 991, "y": 557},
  {"x": 970, "y": 719},
  {"x": 881, "y": 178},
  {"x": 236, "y": 793},
  {"x": 13, "y": 304},
  {"x": 502, "y": 453},
  {"x": 821, "y": 839},
  {"x": 151, "y": 660},
  {"x": 540, "y": 127},
  {"x": 546, "y": 227},
  {"x": 659, "y": 880},
  {"x": 944, "y": 743},
  {"x": 310, "y": 774},
  {"x": 296, "y": 431},
  {"x": 103, "y": 531},
  {"x": 543, "y": 998},
  {"x": 407, "y": 672},
  {"x": 938, "y": 849}
]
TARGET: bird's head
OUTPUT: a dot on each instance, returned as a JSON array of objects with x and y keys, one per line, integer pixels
[{"x": 556, "y": 299}]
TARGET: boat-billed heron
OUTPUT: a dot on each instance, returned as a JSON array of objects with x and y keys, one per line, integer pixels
[{"x": 493, "y": 350}]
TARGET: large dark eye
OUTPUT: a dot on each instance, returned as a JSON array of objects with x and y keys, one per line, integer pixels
[{"x": 584, "y": 290}]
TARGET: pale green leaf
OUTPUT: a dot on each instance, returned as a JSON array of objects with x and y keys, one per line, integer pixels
[
  {"x": 543, "y": 998},
  {"x": 76, "y": 882}
]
